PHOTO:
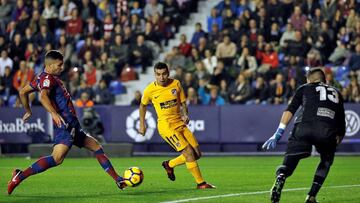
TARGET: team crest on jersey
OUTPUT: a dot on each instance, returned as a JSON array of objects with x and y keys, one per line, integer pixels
[
  {"x": 46, "y": 83},
  {"x": 174, "y": 92}
]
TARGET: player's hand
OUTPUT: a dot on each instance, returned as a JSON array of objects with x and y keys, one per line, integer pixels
[
  {"x": 339, "y": 139},
  {"x": 185, "y": 118},
  {"x": 59, "y": 121},
  {"x": 26, "y": 116},
  {"x": 272, "y": 141},
  {"x": 142, "y": 129}
]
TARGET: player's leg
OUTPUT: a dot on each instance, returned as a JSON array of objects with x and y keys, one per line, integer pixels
[
  {"x": 92, "y": 144},
  {"x": 193, "y": 167},
  {"x": 179, "y": 160},
  {"x": 283, "y": 171},
  {"x": 320, "y": 175},
  {"x": 41, "y": 165}
]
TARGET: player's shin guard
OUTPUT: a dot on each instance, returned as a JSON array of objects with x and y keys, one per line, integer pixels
[
  {"x": 177, "y": 161},
  {"x": 39, "y": 166},
  {"x": 195, "y": 171},
  {"x": 106, "y": 164}
]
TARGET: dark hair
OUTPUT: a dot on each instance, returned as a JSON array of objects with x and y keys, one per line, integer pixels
[
  {"x": 161, "y": 65},
  {"x": 54, "y": 55},
  {"x": 316, "y": 74}
]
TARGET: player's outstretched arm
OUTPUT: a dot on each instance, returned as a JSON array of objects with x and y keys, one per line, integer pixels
[
  {"x": 45, "y": 101},
  {"x": 272, "y": 141},
  {"x": 142, "y": 110},
  {"x": 24, "y": 98}
]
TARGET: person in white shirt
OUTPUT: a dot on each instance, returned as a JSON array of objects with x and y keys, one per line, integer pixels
[{"x": 5, "y": 61}]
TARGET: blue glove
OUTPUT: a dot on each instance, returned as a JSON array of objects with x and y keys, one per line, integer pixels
[{"x": 272, "y": 141}]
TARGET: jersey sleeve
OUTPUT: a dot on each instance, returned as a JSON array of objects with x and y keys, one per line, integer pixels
[
  {"x": 47, "y": 82},
  {"x": 296, "y": 101},
  {"x": 181, "y": 93},
  {"x": 146, "y": 97}
]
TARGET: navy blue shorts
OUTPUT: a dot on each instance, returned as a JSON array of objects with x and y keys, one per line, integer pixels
[{"x": 72, "y": 134}]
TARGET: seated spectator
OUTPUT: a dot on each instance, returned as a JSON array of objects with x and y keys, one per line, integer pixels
[
  {"x": 331, "y": 81},
  {"x": 6, "y": 87},
  {"x": 184, "y": 46},
  {"x": 354, "y": 90},
  {"x": 74, "y": 25},
  {"x": 152, "y": 8},
  {"x": 197, "y": 35},
  {"x": 174, "y": 58},
  {"x": 65, "y": 10},
  {"x": 219, "y": 74},
  {"x": 226, "y": 51},
  {"x": 240, "y": 90},
  {"x": 288, "y": 35},
  {"x": 213, "y": 98},
  {"x": 83, "y": 87},
  {"x": 102, "y": 93},
  {"x": 137, "y": 98},
  {"x": 278, "y": 90},
  {"x": 247, "y": 63},
  {"x": 260, "y": 93},
  {"x": 5, "y": 61},
  {"x": 214, "y": 19},
  {"x": 91, "y": 76},
  {"x": 104, "y": 7},
  {"x": 339, "y": 54},
  {"x": 189, "y": 81},
  {"x": 298, "y": 19},
  {"x": 191, "y": 97},
  {"x": 210, "y": 61},
  {"x": 140, "y": 54},
  {"x": 119, "y": 54},
  {"x": 354, "y": 62},
  {"x": 200, "y": 71},
  {"x": 23, "y": 76},
  {"x": 224, "y": 90},
  {"x": 135, "y": 9},
  {"x": 84, "y": 101},
  {"x": 269, "y": 60}
]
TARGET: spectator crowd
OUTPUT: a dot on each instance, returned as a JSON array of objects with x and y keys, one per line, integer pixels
[
  {"x": 101, "y": 41},
  {"x": 258, "y": 52},
  {"x": 249, "y": 52}
]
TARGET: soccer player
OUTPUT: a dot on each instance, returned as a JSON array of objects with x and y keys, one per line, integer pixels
[
  {"x": 57, "y": 101},
  {"x": 320, "y": 122},
  {"x": 168, "y": 98}
]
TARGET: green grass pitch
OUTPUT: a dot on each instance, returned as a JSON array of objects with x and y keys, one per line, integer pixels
[{"x": 83, "y": 180}]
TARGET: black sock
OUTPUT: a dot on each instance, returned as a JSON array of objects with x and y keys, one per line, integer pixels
[{"x": 317, "y": 183}]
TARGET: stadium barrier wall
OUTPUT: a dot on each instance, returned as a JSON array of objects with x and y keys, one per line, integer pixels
[{"x": 238, "y": 128}]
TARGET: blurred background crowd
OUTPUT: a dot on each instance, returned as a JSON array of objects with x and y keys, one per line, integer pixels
[{"x": 249, "y": 52}]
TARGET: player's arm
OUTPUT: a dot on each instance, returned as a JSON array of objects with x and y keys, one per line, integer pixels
[
  {"x": 145, "y": 100},
  {"x": 285, "y": 120},
  {"x": 341, "y": 122},
  {"x": 24, "y": 98},
  {"x": 183, "y": 106},
  {"x": 45, "y": 101},
  {"x": 184, "y": 113},
  {"x": 142, "y": 110}
]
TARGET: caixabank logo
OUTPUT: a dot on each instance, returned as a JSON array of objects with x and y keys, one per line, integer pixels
[
  {"x": 352, "y": 123},
  {"x": 19, "y": 126},
  {"x": 133, "y": 125}
]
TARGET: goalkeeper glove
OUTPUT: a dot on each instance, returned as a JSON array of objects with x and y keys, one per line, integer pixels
[{"x": 272, "y": 141}]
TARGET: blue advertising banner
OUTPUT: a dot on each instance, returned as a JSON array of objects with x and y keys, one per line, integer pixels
[
  {"x": 14, "y": 130},
  {"x": 227, "y": 124}
]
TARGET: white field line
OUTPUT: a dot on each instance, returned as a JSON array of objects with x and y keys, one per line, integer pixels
[{"x": 251, "y": 193}]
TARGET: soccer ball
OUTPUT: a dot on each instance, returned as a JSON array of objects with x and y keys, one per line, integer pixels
[{"x": 133, "y": 176}]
